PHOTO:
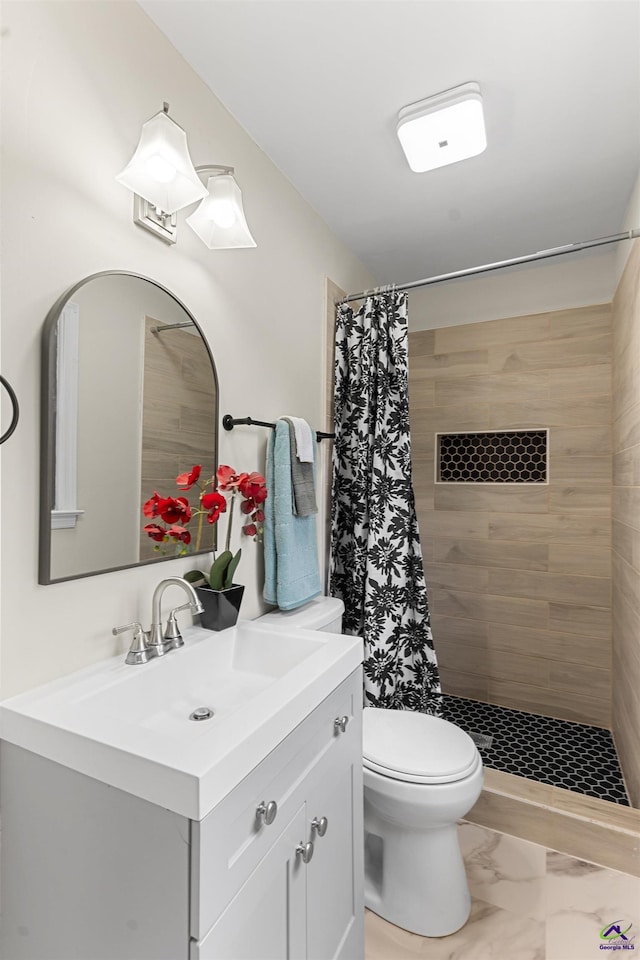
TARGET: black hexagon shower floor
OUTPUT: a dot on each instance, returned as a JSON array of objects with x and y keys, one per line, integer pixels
[{"x": 570, "y": 755}]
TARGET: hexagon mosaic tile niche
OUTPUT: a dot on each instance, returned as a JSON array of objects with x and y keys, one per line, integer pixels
[
  {"x": 570, "y": 755},
  {"x": 513, "y": 456}
]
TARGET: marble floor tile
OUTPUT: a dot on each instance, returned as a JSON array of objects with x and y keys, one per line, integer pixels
[
  {"x": 583, "y": 900},
  {"x": 490, "y": 934},
  {"x": 504, "y": 871},
  {"x": 384, "y": 941},
  {"x": 528, "y": 903}
]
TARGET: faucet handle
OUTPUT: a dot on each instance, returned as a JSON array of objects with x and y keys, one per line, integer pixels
[
  {"x": 139, "y": 652},
  {"x": 172, "y": 631}
]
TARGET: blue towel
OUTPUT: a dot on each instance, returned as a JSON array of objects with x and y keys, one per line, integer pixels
[{"x": 291, "y": 572}]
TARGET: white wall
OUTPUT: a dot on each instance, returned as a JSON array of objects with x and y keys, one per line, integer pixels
[
  {"x": 79, "y": 79},
  {"x": 559, "y": 283},
  {"x": 632, "y": 222}
]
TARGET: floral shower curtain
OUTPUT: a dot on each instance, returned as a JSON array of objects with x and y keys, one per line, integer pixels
[{"x": 376, "y": 560}]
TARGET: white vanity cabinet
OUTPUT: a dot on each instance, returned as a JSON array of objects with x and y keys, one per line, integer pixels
[
  {"x": 253, "y": 894},
  {"x": 91, "y": 872}
]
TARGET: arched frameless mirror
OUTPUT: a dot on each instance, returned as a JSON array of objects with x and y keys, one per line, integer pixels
[{"x": 129, "y": 401}]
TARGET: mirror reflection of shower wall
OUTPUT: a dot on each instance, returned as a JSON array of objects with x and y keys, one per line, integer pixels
[{"x": 177, "y": 423}]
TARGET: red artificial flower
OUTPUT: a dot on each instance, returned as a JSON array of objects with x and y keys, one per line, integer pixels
[
  {"x": 186, "y": 480},
  {"x": 228, "y": 479},
  {"x": 253, "y": 487},
  {"x": 174, "y": 509},
  {"x": 150, "y": 508},
  {"x": 179, "y": 533},
  {"x": 155, "y": 532},
  {"x": 177, "y": 511},
  {"x": 215, "y": 503}
]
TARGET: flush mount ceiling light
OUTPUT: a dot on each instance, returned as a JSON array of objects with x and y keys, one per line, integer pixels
[
  {"x": 443, "y": 129},
  {"x": 219, "y": 221}
]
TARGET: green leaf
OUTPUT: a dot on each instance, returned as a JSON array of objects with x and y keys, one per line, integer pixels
[
  {"x": 219, "y": 569},
  {"x": 196, "y": 577},
  {"x": 231, "y": 569}
]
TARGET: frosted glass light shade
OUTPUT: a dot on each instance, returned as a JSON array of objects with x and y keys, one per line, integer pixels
[
  {"x": 219, "y": 221},
  {"x": 443, "y": 129},
  {"x": 161, "y": 170}
]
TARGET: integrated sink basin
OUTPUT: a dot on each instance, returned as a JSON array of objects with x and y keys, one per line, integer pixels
[
  {"x": 224, "y": 674},
  {"x": 130, "y": 726}
]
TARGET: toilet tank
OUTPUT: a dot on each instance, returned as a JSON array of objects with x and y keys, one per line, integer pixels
[{"x": 322, "y": 613}]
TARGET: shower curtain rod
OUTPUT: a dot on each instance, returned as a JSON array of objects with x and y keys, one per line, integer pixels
[
  {"x": 162, "y": 328},
  {"x": 485, "y": 268}
]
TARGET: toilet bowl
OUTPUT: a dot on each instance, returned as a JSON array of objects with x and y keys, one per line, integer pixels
[{"x": 421, "y": 775}]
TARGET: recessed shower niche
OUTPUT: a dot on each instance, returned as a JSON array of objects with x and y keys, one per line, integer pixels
[{"x": 511, "y": 456}]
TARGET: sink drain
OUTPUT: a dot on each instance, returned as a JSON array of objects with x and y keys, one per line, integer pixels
[{"x": 201, "y": 713}]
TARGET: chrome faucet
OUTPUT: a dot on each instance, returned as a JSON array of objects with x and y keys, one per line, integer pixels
[
  {"x": 157, "y": 640},
  {"x": 153, "y": 643}
]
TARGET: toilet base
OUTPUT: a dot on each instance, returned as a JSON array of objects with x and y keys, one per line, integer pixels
[{"x": 415, "y": 879}]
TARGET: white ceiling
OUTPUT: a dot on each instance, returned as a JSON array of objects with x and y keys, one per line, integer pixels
[{"x": 318, "y": 85}]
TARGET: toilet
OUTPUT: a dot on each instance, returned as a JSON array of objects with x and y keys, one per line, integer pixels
[{"x": 421, "y": 775}]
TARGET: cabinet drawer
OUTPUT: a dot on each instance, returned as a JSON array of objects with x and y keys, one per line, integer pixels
[{"x": 231, "y": 841}]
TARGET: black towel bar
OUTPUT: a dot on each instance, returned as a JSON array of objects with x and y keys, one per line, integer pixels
[{"x": 229, "y": 422}]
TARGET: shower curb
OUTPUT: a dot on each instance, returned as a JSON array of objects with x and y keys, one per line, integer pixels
[{"x": 595, "y": 830}]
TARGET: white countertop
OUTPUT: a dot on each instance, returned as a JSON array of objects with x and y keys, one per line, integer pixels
[{"x": 128, "y": 726}]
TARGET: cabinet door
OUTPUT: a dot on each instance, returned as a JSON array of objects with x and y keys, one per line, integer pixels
[
  {"x": 335, "y": 908},
  {"x": 266, "y": 919},
  {"x": 229, "y": 844}
]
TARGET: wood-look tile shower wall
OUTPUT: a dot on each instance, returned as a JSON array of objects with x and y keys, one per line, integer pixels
[
  {"x": 626, "y": 523},
  {"x": 177, "y": 424},
  {"x": 519, "y": 576}
]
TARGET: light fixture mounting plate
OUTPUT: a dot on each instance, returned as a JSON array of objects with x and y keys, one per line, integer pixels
[{"x": 163, "y": 225}]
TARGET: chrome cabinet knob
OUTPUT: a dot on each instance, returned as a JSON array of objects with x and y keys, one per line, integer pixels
[
  {"x": 340, "y": 724},
  {"x": 319, "y": 825},
  {"x": 305, "y": 850},
  {"x": 266, "y": 812}
]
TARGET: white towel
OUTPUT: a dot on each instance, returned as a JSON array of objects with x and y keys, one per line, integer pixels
[{"x": 304, "y": 439}]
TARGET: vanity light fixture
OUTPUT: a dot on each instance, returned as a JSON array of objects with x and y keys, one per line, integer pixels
[
  {"x": 219, "y": 221},
  {"x": 161, "y": 175},
  {"x": 443, "y": 129},
  {"x": 163, "y": 180}
]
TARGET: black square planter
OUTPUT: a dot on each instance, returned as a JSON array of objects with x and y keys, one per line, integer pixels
[{"x": 221, "y": 607}]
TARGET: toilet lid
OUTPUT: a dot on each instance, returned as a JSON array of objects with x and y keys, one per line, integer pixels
[{"x": 415, "y": 747}]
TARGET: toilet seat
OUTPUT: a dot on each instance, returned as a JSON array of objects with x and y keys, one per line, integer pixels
[{"x": 416, "y": 747}]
